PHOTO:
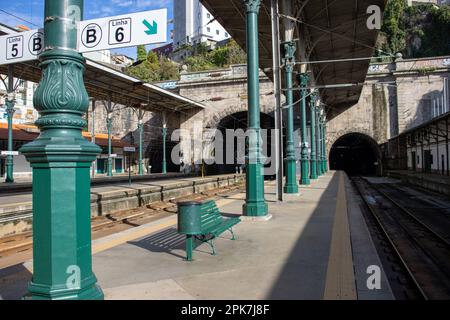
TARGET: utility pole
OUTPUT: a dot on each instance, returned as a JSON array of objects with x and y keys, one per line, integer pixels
[
  {"x": 61, "y": 160},
  {"x": 255, "y": 204},
  {"x": 277, "y": 93}
]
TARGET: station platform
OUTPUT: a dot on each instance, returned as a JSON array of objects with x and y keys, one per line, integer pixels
[
  {"x": 316, "y": 246},
  {"x": 439, "y": 183}
]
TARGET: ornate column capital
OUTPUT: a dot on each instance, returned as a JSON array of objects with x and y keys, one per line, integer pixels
[
  {"x": 10, "y": 107},
  {"x": 288, "y": 49},
  {"x": 252, "y": 6},
  {"x": 303, "y": 79}
]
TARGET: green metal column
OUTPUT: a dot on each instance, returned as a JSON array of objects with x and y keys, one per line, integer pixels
[
  {"x": 141, "y": 133},
  {"x": 303, "y": 79},
  {"x": 61, "y": 160},
  {"x": 319, "y": 142},
  {"x": 10, "y": 113},
  {"x": 291, "y": 170},
  {"x": 164, "y": 162},
  {"x": 255, "y": 204},
  {"x": 312, "y": 107},
  {"x": 110, "y": 160},
  {"x": 324, "y": 145}
]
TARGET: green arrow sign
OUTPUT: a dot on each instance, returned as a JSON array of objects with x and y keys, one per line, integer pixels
[{"x": 152, "y": 28}]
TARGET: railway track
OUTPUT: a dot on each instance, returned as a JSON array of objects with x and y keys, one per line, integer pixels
[
  {"x": 20, "y": 245},
  {"x": 423, "y": 252}
]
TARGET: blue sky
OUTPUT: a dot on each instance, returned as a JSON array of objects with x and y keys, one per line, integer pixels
[{"x": 33, "y": 12}]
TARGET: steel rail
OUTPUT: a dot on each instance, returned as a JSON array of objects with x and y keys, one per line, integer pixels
[{"x": 391, "y": 242}]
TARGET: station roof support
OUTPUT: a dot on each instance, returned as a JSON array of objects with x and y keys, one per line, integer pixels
[{"x": 333, "y": 30}]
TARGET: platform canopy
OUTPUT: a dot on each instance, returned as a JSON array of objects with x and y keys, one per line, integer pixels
[
  {"x": 329, "y": 30},
  {"x": 103, "y": 81}
]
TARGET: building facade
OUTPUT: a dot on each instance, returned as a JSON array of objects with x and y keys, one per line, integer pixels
[{"x": 194, "y": 24}]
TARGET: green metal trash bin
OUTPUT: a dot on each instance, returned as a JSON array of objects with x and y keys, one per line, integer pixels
[{"x": 189, "y": 223}]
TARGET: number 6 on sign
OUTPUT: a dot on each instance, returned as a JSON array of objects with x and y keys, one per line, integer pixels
[
  {"x": 128, "y": 30},
  {"x": 120, "y": 31}
]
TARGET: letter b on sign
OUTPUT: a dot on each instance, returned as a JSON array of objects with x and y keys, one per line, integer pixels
[
  {"x": 36, "y": 43},
  {"x": 91, "y": 36}
]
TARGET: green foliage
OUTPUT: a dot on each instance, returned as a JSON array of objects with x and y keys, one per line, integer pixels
[
  {"x": 204, "y": 59},
  {"x": 436, "y": 37},
  {"x": 152, "y": 57},
  {"x": 416, "y": 31},
  {"x": 393, "y": 14},
  {"x": 150, "y": 68},
  {"x": 141, "y": 53}
]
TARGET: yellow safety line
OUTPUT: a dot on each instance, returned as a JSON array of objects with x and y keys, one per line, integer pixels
[{"x": 340, "y": 280}]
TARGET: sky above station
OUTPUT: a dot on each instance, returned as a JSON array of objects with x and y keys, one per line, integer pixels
[{"x": 30, "y": 13}]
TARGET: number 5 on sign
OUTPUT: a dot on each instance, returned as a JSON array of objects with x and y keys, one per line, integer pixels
[
  {"x": 128, "y": 30},
  {"x": 20, "y": 47}
]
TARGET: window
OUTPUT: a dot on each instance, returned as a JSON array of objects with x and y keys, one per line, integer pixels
[
  {"x": 217, "y": 32},
  {"x": 208, "y": 15},
  {"x": 226, "y": 34},
  {"x": 208, "y": 29}
]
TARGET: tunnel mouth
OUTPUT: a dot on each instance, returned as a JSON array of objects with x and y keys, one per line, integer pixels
[
  {"x": 356, "y": 154},
  {"x": 236, "y": 121}
]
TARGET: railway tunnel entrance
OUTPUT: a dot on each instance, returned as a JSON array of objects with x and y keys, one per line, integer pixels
[
  {"x": 356, "y": 154},
  {"x": 236, "y": 121}
]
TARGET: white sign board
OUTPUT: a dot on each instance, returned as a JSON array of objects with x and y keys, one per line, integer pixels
[
  {"x": 126, "y": 30},
  {"x": 10, "y": 153},
  {"x": 113, "y": 155},
  {"x": 129, "y": 149},
  {"x": 20, "y": 47}
]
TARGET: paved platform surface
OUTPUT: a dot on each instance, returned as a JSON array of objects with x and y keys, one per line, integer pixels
[{"x": 316, "y": 246}]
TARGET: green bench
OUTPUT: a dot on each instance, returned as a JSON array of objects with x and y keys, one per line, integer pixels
[{"x": 202, "y": 221}]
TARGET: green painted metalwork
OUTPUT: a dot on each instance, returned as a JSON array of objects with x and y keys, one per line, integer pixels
[
  {"x": 304, "y": 161},
  {"x": 140, "y": 162},
  {"x": 202, "y": 221},
  {"x": 110, "y": 160},
  {"x": 291, "y": 170},
  {"x": 324, "y": 145},
  {"x": 319, "y": 142},
  {"x": 10, "y": 159},
  {"x": 255, "y": 204},
  {"x": 313, "y": 159},
  {"x": 164, "y": 162},
  {"x": 61, "y": 160}
]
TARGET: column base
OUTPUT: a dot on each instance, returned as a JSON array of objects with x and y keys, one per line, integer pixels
[
  {"x": 9, "y": 180},
  {"x": 313, "y": 171},
  {"x": 305, "y": 182},
  {"x": 45, "y": 292},
  {"x": 255, "y": 209},
  {"x": 291, "y": 188}
]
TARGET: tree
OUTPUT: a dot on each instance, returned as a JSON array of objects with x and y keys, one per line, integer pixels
[
  {"x": 141, "y": 53},
  {"x": 395, "y": 36},
  {"x": 152, "y": 57},
  {"x": 202, "y": 58},
  {"x": 150, "y": 68},
  {"x": 415, "y": 31}
]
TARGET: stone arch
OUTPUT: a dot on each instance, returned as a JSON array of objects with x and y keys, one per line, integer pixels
[
  {"x": 213, "y": 119},
  {"x": 332, "y": 137},
  {"x": 354, "y": 150}
]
